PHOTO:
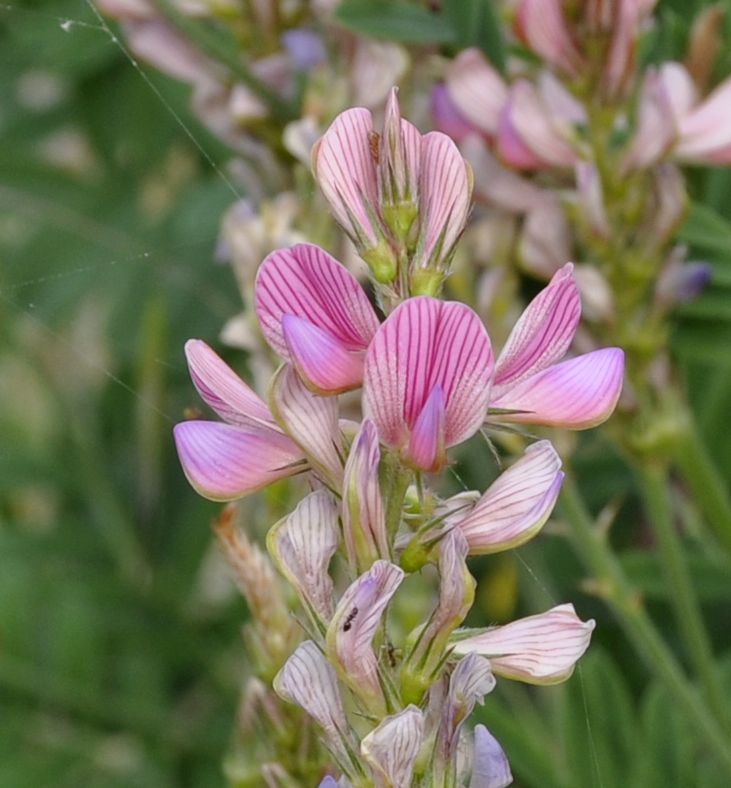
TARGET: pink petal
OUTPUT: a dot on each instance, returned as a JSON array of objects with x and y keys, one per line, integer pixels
[
  {"x": 312, "y": 423},
  {"x": 399, "y": 157},
  {"x": 446, "y": 116},
  {"x": 544, "y": 133},
  {"x": 679, "y": 88},
  {"x": 576, "y": 394},
  {"x": 424, "y": 343},
  {"x": 543, "y": 333},
  {"x": 222, "y": 389},
  {"x": 322, "y": 361},
  {"x": 307, "y": 282},
  {"x": 707, "y": 129},
  {"x": 542, "y": 26},
  {"x": 516, "y": 506},
  {"x": 354, "y": 625},
  {"x": 656, "y": 129},
  {"x": 364, "y": 523},
  {"x": 546, "y": 240},
  {"x": 346, "y": 172},
  {"x": 541, "y": 649},
  {"x": 510, "y": 145},
  {"x": 477, "y": 90},
  {"x": 426, "y": 445},
  {"x": 392, "y": 747},
  {"x": 223, "y": 462},
  {"x": 445, "y": 199}
]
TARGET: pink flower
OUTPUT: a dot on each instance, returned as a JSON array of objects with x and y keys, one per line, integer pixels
[
  {"x": 314, "y": 313},
  {"x": 225, "y": 461},
  {"x": 542, "y": 26},
  {"x": 427, "y": 379},
  {"x": 579, "y": 393},
  {"x": 541, "y": 649},
  {"x": 401, "y": 189}
]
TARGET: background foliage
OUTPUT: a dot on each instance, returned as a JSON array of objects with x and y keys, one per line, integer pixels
[{"x": 120, "y": 656}]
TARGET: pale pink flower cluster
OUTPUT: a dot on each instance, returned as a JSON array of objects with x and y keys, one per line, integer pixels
[
  {"x": 531, "y": 133},
  {"x": 429, "y": 382}
]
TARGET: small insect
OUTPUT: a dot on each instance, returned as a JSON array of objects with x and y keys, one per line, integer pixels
[
  {"x": 374, "y": 145},
  {"x": 349, "y": 620}
]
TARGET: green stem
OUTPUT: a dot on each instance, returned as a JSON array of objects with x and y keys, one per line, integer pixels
[
  {"x": 594, "y": 551},
  {"x": 687, "y": 610},
  {"x": 709, "y": 488}
]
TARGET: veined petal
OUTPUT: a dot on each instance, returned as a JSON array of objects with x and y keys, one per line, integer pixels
[
  {"x": 516, "y": 506},
  {"x": 345, "y": 169},
  {"x": 224, "y": 462},
  {"x": 542, "y": 26},
  {"x": 223, "y": 390},
  {"x": 302, "y": 545},
  {"x": 321, "y": 360},
  {"x": 577, "y": 394},
  {"x": 490, "y": 767},
  {"x": 445, "y": 198},
  {"x": 305, "y": 281},
  {"x": 311, "y": 421},
  {"x": 543, "y": 333},
  {"x": 470, "y": 681},
  {"x": 426, "y": 444},
  {"x": 310, "y": 682},
  {"x": 422, "y": 344},
  {"x": 354, "y": 624},
  {"x": 391, "y": 748},
  {"x": 541, "y": 649},
  {"x": 477, "y": 89},
  {"x": 364, "y": 522},
  {"x": 399, "y": 158}
]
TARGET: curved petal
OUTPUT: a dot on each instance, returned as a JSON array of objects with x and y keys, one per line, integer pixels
[
  {"x": 490, "y": 767},
  {"x": 307, "y": 282},
  {"x": 322, "y": 361},
  {"x": 345, "y": 169},
  {"x": 392, "y": 747},
  {"x": 477, "y": 89},
  {"x": 312, "y": 423},
  {"x": 543, "y": 333},
  {"x": 223, "y": 462},
  {"x": 510, "y": 146},
  {"x": 422, "y": 344},
  {"x": 515, "y": 506},
  {"x": 445, "y": 197},
  {"x": 541, "y": 649},
  {"x": 707, "y": 129},
  {"x": 577, "y": 394},
  {"x": 222, "y": 389},
  {"x": 542, "y": 26},
  {"x": 426, "y": 444},
  {"x": 446, "y": 115}
]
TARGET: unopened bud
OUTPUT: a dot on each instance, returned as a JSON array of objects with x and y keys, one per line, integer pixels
[{"x": 382, "y": 261}]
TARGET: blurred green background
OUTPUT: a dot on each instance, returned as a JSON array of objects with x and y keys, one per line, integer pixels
[{"x": 120, "y": 653}]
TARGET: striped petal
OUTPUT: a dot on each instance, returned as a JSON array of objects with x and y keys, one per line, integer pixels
[
  {"x": 310, "y": 682},
  {"x": 576, "y": 394},
  {"x": 490, "y": 767},
  {"x": 477, "y": 90},
  {"x": 470, "y": 681},
  {"x": 392, "y": 747},
  {"x": 302, "y": 545},
  {"x": 223, "y": 462},
  {"x": 541, "y": 649},
  {"x": 542, "y": 26},
  {"x": 311, "y": 421},
  {"x": 422, "y": 344},
  {"x": 306, "y": 282},
  {"x": 354, "y": 625},
  {"x": 322, "y": 361},
  {"x": 345, "y": 169},
  {"x": 364, "y": 522},
  {"x": 516, "y": 506},
  {"x": 222, "y": 389},
  {"x": 543, "y": 333},
  {"x": 445, "y": 198}
]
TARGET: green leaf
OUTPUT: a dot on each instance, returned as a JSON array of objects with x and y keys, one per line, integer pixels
[
  {"x": 706, "y": 229},
  {"x": 475, "y": 24},
  {"x": 395, "y": 21}
]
